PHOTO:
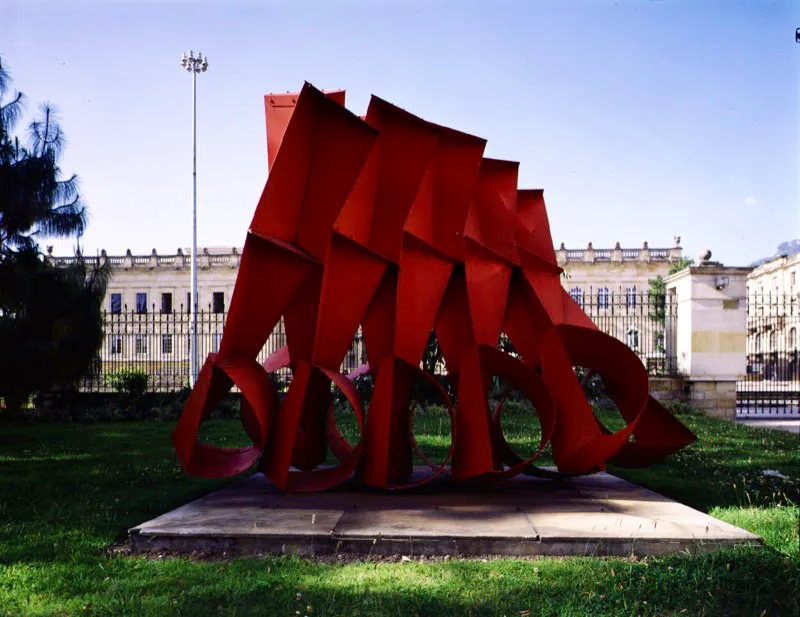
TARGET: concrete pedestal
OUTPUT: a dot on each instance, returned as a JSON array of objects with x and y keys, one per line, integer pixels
[{"x": 593, "y": 515}]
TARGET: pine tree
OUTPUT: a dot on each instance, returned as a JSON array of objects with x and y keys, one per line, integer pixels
[{"x": 50, "y": 319}]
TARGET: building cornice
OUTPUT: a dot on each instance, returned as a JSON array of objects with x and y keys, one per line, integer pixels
[
  {"x": 775, "y": 264},
  {"x": 229, "y": 257},
  {"x": 216, "y": 257},
  {"x": 708, "y": 269}
]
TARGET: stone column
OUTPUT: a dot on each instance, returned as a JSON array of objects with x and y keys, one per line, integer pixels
[
  {"x": 711, "y": 334},
  {"x": 588, "y": 254},
  {"x": 616, "y": 254},
  {"x": 561, "y": 255},
  {"x": 644, "y": 255}
]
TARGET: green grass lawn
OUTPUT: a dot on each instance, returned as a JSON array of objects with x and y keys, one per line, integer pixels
[{"x": 68, "y": 491}]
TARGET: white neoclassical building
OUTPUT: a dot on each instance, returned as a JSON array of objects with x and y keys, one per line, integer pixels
[
  {"x": 147, "y": 303},
  {"x": 773, "y": 319},
  {"x": 160, "y": 282},
  {"x": 776, "y": 276}
]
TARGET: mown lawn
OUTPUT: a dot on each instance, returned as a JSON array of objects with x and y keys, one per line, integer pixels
[{"x": 68, "y": 491}]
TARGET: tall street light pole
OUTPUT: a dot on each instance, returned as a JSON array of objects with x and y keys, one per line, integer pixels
[{"x": 194, "y": 64}]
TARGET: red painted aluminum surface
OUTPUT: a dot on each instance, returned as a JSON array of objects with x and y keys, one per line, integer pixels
[{"x": 399, "y": 226}]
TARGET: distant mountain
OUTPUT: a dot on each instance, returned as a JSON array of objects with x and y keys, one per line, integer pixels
[{"x": 790, "y": 247}]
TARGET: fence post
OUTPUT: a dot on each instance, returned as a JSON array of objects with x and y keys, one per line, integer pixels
[{"x": 711, "y": 333}]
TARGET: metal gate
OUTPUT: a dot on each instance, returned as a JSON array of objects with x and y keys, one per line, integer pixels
[{"x": 771, "y": 387}]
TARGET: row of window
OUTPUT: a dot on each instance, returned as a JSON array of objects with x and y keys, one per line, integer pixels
[
  {"x": 792, "y": 280},
  {"x": 772, "y": 341},
  {"x": 140, "y": 344},
  {"x": 217, "y": 302},
  {"x": 603, "y": 297},
  {"x": 631, "y": 336}
]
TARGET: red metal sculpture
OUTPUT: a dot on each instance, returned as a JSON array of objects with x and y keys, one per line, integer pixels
[{"x": 400, "y": 226}]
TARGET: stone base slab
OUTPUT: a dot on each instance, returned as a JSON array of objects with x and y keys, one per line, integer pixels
[{"x": 599, "y": 515}]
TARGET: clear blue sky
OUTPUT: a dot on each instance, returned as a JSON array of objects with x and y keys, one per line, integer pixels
[{"x": 641, "y": 120}]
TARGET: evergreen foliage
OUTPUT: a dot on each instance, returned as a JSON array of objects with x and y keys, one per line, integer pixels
[
  {"x": 50, "y": 320},
  {"x": 657, "y": 290}
]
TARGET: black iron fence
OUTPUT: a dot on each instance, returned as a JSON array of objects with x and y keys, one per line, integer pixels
[
  {"x": 771, "y": 386},
  {"x": 159, "y": 343},
  {"x": 645, "y": 321}
]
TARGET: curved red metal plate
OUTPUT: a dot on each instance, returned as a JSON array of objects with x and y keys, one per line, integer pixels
[{"x": 397, "y": 225}]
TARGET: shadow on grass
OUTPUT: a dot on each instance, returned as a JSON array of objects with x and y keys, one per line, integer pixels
[
  {"x": 67, "y": 491},
  {"x": 725, "y": 583}
]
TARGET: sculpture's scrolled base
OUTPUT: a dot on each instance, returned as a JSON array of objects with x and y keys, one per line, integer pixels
[{"x": 599, "y": 515}]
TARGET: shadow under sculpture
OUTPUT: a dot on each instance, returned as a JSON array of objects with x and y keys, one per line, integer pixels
[{"x": 401, "y": 227}]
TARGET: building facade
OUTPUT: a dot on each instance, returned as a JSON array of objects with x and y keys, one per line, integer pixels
[
  {"x": 776, "y": 276},
  {"x": 773, "y": 319},
  {"x": 147, "y": 320},
  {"x": 592, "y": 275},
  {"x": 148, "y": 300},
  {"x": 158, "y": 283}
]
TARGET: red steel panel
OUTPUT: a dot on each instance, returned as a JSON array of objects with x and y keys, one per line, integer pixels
[
  {"x": 352, "y": 272},
  {"x": 424, "y": 273},
  {"x": 279, "y": 109},
  {"x": 400, "y": 226},
  {"x": 406, "y": 146}
]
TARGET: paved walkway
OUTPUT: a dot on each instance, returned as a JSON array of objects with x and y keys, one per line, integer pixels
[
  {"x": 594, "y": 515},
  {"x": 791, "y": 426}
]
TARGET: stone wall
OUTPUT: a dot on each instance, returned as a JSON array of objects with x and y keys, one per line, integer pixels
[
  {"x": 667, "y": 388},
  {"x": 715, "y": 398}
]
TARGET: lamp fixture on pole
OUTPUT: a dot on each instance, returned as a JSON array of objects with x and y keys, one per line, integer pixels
[{"x": 194, "y": 65}]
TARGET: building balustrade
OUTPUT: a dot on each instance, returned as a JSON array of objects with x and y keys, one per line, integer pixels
[
  {"x": 618, "y": 255},
  {"x": 205, "y": 259},
  {"x": 230, "y": 257}
]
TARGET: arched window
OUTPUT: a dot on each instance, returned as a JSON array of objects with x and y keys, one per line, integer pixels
[
  {"x": 793, "y": 339},
  {"x": 632, "y": 338},
  {"x": 757, "y": 343},
  {"x": 772, "y": 341}
]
